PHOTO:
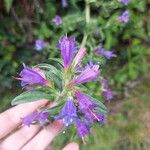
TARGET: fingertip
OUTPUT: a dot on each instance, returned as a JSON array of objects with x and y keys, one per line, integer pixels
[{"x": 71, "y": 146}]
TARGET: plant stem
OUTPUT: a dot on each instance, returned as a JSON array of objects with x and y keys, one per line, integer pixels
[{"x": 87, "y": 20}]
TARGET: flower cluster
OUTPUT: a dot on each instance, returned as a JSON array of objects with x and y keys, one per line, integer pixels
[
  {"x": 105, "y": 53},
  {"x": 124, "y": 17},
  {"x": 79, "y": 109}
]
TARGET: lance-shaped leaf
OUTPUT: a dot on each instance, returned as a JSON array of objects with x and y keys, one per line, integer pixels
[
  {"x": 30, "y": 96},
  {"x": 51, "y": 69}
]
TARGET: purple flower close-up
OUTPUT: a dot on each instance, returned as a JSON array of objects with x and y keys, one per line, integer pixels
[
  {"x": 88, "y": 74},
  {"x": 82, "y": 128},
  {"x": 105, "y": 53},
  {"x": 64, "y": 3},
  {"x": 67, "y": 46},
  {"x": 87, "y": 107},
  {"x": 41, "y": 117},
  {"x": 124, "y": 17},
  {"x": 57, "y": 20},
  {"x": 39, "y": 44},
  {"x": 68, "y": 113},
  {"x": 29, "y": 76},
  {"x": 125, "y": 2}
]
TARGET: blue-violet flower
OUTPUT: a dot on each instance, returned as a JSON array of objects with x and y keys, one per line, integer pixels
[
  {"x": 29, "y": 76},
  {"x": 67, "y": 47},
  {"x": 68, "y": 113},
  {"x": 57, "y": 20},
  {"x": 40, "y": 44},
  {"x": 124, "y": 17},
  {"x": 41, "y": 117}
]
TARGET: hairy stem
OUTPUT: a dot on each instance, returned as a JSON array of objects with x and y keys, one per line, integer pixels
[{"x": 87, "y": 20}]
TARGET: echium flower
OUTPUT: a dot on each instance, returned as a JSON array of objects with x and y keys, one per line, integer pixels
[
  {"x": 68, "y": 113},
  {"x": 31, "y": 76},
  {"x": 40, "y": 44},
  {"x": 67, "y": 47},
  {"x": 124, "y": 17},
  {"x": 57, "y": 20},
  {"x": 40, "y": 117},
  {"x": 82, "y": 128},
  {"x": 105, "y": 53},
  {"x": 88, "y": 74},
  {"x": 64, "y": 3},
  {"x": 108, "y": 94},
  {"x": 125, "y": 2},
  {"x": 88, "y": 107}
]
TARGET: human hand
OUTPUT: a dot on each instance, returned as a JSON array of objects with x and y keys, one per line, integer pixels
[{"x": 13, "y": 136}]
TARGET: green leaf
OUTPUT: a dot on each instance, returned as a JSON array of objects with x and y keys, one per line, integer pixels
[
  {"x": 51, "y": 69},
  {"x": 58, "y": 60},
  {"x": 30, "y": 96},
  {"x": 8, "y": 4}
]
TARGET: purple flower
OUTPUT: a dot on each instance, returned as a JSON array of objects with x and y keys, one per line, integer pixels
[
  {"x": 125, "y": 2},
  {"x": 67, "y": 47},
  {"x": 104, "y": 83},
  {"x": 124, "y": 17},
  {"x": 30, "y": 76},
  {"x": 82, "y": 128},
  {"x": 108, "y": 94},
  {"x": 57, "y": 20},
  {"x": 84, "y": 101},
  {"x": 41, "y": 117},
  {"x": 79, "y": 56},
  {"x": 87, "y": 106},
  {"x": 68, "y": 114},
  {"x": 64, "y": 3},
  {"x": 101, "y": 118},
  {"x": 89, "y": 73},
  {"x": 39, "y": 44},
  {"x": 105, "y": 53}
]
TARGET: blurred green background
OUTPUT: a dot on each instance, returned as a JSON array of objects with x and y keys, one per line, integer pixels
[{"x": 24, "y": 21}]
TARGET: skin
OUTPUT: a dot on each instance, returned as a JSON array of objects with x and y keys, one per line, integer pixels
[{"x": 13, "y": 135}]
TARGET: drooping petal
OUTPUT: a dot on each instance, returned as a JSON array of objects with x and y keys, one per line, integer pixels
[
  {"x": 67, "y": 47},
  {"x": 68, "y": 113},
  {"x": 82, "y": 128},
  {"x": 88, "y": 74}
]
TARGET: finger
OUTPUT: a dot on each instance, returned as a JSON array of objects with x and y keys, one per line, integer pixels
[
  {"x": 71, "y": 146},
  {"x": 20, "y": 137},
  {"x": 10, "y": 119},
  {"x": 44, "y": 137}
]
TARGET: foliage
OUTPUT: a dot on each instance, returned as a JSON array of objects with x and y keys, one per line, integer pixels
[{"x": 31, "y": 20}]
